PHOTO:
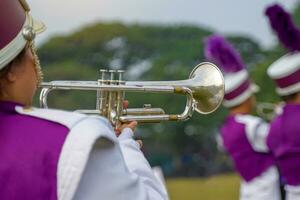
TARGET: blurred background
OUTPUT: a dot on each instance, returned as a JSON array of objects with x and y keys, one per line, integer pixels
[{"x": 160, "y": 40}]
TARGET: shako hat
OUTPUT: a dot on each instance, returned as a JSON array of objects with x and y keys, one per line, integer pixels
[
  {"x": 286, "y": 70},
  {"x": 17, "y": 28},
  {"x": 238, "y": 86}
]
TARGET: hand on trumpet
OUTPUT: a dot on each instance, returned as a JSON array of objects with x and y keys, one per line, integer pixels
[{"x": 132, "y": 125}]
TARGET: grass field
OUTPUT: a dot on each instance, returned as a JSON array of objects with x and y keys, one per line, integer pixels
[{"x": 223, "y": 187}]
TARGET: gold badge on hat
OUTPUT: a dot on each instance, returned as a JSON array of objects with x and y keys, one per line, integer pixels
[{"x": 28, "y": 33}]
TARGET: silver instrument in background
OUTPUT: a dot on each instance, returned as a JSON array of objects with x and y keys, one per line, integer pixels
[
  {"x": 204, "y": 91},
  {"x": 267, "y": 110}
]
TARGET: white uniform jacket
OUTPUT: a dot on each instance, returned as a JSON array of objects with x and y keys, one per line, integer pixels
[{"x": 94, "y": 164}]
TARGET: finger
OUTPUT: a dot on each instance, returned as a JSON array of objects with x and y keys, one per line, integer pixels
[
  {"x": 118, "y": 131},
  {"x": 132, "y": 125},
  {"x": 125, "y": 104}
]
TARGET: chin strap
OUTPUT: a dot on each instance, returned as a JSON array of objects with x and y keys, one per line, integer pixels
[{"x": 37, "y": 64}]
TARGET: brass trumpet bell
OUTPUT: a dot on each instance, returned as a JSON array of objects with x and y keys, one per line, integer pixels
[{"x": 206, "y": 83}]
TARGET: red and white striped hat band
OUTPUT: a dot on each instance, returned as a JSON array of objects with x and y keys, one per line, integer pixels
[
  {"x": 238, "y": 88},
  {"x": 286, "y": 74},
  {"x": 238, "y": 91},
  {"x": 289, "y": 80}
]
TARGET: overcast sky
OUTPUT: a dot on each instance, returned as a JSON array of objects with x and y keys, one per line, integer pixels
[{"x": 223, "y": 16}]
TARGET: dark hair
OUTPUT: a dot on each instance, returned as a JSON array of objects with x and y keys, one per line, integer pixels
[
  {"x": 17, "y": 59},
  {"x": 290, "y": 97}
]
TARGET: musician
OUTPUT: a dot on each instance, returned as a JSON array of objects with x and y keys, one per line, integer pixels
[
  {"x": 284, "y": 140},
  {"x": 52, "y": 154},
  {"x": 243, "y": 135}
]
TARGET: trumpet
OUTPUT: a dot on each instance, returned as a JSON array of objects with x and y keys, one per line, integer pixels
[{"x": 204, "y": 91}]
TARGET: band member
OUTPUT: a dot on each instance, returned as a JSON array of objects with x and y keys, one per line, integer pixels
[
  {"x": 52, "y": 154},
  {"x": 284, "y": 137},
  {"x": 243, "y": 135}
]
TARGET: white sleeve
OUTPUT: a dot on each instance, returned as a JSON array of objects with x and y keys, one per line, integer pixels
[
  {"x": 257, "y": 131},
  {"x": 137, "y": 164},
  {"x": 107, "y": 175}
]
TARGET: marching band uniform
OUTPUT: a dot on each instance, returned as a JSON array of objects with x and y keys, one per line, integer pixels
[
  {"x": 284, "y": 140},
  {"x": 52, "y": 154},
  {"x": 243, "y": 136}
]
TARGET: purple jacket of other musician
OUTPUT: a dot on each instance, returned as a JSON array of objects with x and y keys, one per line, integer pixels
[
  {"x": 284, "y": 142},
  {"x": 239, "y": 134}
]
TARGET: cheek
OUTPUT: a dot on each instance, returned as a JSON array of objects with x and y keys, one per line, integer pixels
[
  {"x": 33, "y": 78},
  {"x": 32, "y": 83},
  {"x": 30, "y": 68},
  {"x": 30, "y": 79}
]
